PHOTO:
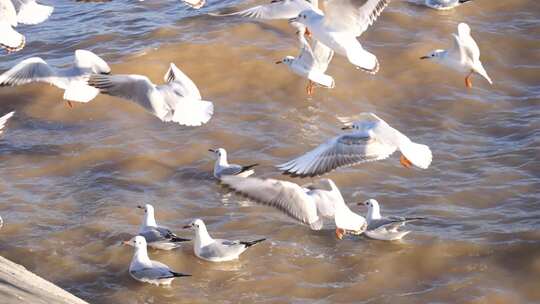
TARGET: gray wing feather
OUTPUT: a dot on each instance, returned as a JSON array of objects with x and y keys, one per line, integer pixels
[{"x": 357, "y": 15}]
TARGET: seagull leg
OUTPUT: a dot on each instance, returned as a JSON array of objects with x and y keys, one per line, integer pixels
[
  {"x": 405, "y": 162},
  {"x": 307, "y": 33},
  {"x": 69, "y": 104},
  {"x": 468, "y": 80},
  {"x": 310, "y": 87},
  {"x": 339, "y": 233}
]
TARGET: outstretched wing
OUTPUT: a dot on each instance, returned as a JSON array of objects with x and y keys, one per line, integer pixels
[
  {"x": 288, "y": 197},
  {"x": 353, "y": 15},
  {"x": 88, "y": 60},
  {"x": 4, "y": 119},
  {"x": 183, "y": 83},
  {"x": 277, "y": 9},
  {"x": 29, "y": 70}
]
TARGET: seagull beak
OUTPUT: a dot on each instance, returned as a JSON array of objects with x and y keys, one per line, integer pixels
[
  {"x": 187, "y": 227},
  {"x": 125, "y": 243},
  {"x": 425, "y": 57},
  {"x": 212, "y": 150},
  {"x": 140, "y": 206},
  {"x": 278, "y": 62},
  {"x": 292, "y": 20},
  {"x": 346, "y": 128}
]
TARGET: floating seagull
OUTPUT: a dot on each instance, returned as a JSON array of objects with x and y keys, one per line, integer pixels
[
  {"x": 4, "y": 119},
  {"x": 384, "y": 228},
  {"x": 72, "y": 80},
  {"x": 464, "y": 56},
  {"x": 145, "y": 270},
  {"x": 372, "y": 139},
  {"x": 312, "y": 63},
  {"x": 309, "y": 204},
  {"x": 178, "y": 100},
  {"x": 157, "y": 237},
  {"x": 342, "y": 23},
  {"x": 216, "y": 250},
  {"x": 444, "y": 4},
  {"x": 222, "y": 166},
  {"x": 196, "y": 4},
  {"x": 30, "y": 12}
]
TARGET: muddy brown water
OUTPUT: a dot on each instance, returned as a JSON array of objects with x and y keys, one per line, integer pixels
[{"x": 71, "y": 178}]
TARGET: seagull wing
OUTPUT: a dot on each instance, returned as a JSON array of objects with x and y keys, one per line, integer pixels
[
  {"x": 341, "y": 151},
  {"x": 4, "y": 119},
  {"x": 185, "y": 85},
  {"x": 353, "y": 15},
  {"x": 8, "y": 13},
  {"x": 88, "y": 60},
  {"x": 277, "y": 9},
  {"x": 288, "y": 197},
  {"x": 29, "y": 70},
  {"x": 30, "y": 12},
  {"x": 10, "y": 39},
  {"x": 306, "y": 56},
  {"x": 468, "y": 45},
  {"x": 322, "y": 55}
]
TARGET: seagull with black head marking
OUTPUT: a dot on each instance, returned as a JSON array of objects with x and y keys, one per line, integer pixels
[
  {"x": 464, "y": 56},
  {"x": 145, "y": 270},
  {"x": 385, "y": 228},
  {"x": 223, "y": 168},
  {"x": 340, "y": 25},
  {"x": 309, "y": 204},
  {"x": 70, "y": 79},
  {"x": 216, "y": 250},
  {"x": 371, "y": 139},
  {"x": 157, "y": 237},
  {"x": 178, "y": 100}
]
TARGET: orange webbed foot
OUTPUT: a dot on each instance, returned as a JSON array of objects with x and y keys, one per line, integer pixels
[
  {"x": 340, "y": 233},
  {"x": 405, "y": 162}
]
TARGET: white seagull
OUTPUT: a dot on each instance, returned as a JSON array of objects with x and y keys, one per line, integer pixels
[
  {"x": 178, "y": 100},
  {"x": 157, "y": 237},
  {"x": 384, "y": 228},
  {"x": 72, "y": 79},
  {"x": 30, "y": 12},
  {"x": 312, "y": 63},
  {"x": 341, "y": 24},
  {"x": 463, "y": 57},
  {"x": 196, "y": 4},
  {"x": 216, "y": 250},
  {"x": 4, "y": 119},
  {"x": 372, "y": 139},
  {"x": 222, "y": 166},
  {"x": 309, "y": 204},
  {"x": 444, "y": 4},
  {"x": 145, "y": 270}
]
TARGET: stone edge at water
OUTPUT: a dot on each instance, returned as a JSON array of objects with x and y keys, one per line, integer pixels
[{"x": 18, "y": 285}]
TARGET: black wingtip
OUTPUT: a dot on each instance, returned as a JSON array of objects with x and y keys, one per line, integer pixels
[
  {"x": 177, "y": 239},
  {"x": 178, "y": 274},
  {"x": 246, "y": 168},
  {"x": 251, "y": 243}
]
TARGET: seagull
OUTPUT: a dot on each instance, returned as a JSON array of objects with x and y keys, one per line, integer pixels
[
  {"x": 464, "y": 56},
  {"x": 145, "y": 270},
  {"x": 30, "y": 12},
  {"x": 312, "y": 63},
  {"x": 372, "y": 139},
  {"x": 178, "y": 100},
  {"x": 444, "y": 4},
  {"x": 196, "y": 4},
  {"x": 309, "y": 204},
  {"x": 340, "y": 25},
  {"x": 4, "y": 119},
  {"x": 384, "y": 228},
  {"x": 216, "y": 250},
  {"x": 222, "y": 166},
  {"x": 72, "y": 79},
  {"x": 157, "y": 237}
]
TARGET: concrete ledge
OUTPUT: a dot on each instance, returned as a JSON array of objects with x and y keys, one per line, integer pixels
[{"x": 18, "y": 285}]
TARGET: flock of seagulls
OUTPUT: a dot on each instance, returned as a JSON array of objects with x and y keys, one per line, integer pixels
[{"x": 321, "y": 32}]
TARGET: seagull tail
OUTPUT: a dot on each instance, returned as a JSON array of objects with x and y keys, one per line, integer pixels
[
  {"x": 31, "y": 12},
  {"x": 251, "y": 243},
  {"x": 419, "y": 155},
  {"x": 323, "y": 79},
  {"x": 190, "y": 112},
  {"x": 178, "y": 274},
  {"x": 479, "y": 68}
]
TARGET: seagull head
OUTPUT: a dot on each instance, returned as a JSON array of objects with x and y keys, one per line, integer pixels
[
  {"x": 220, "y": 152},
  {"x": 195, "y": 225},
  {"x": 370, "y": 203},
  {"x": 147, "y": 208},
  {"x": 288, "y": 60},
  {"x": 305, "y": 17},
  {"x": 137, "y": 241},
  {"x": 434, "y": 55}
]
